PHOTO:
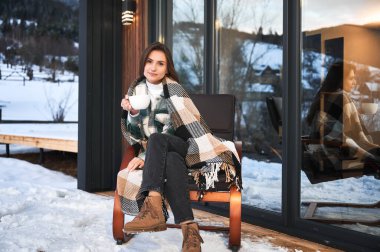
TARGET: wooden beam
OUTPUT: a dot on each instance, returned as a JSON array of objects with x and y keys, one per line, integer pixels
[
  {"x": 211, "y": 196},
  {"x": 202, "y": 227},
  {"x": 134, "y": 41},
  {"x": 41, "y": 142}
]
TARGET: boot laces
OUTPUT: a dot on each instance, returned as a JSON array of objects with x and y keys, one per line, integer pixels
[{"x": 192, "y": 237}]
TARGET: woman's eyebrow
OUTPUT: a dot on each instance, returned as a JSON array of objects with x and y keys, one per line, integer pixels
[{"x": 160, "y": 61}]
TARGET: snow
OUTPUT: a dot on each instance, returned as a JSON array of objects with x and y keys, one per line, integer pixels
[
  {"x": 267, "y": 54},
  {"x": 260, "y": 88},
  {"x": 262, "y": 182},
  {"x": 31, "y": 101},
  {"x": 41, "y": 210},
  {"x": 47, "y": 130}
]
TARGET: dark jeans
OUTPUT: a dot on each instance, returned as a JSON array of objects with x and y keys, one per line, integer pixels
[
  {"x": 372, "y": 163},
  {"x": 165, "y": 171}
]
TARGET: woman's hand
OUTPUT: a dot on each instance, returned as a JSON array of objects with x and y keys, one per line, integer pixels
[
  {"x": 135, "y": 163},
  {"x": 126, "y": 105}
]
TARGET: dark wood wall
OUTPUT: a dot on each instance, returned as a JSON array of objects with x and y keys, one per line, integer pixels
[{"x": 134, "y": 40}]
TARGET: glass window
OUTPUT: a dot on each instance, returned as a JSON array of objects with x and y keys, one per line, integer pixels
[
  {"x": 188, "y": 43},
  {"x": 249, "y": 45},
  {"x": 341, "y": 119}
]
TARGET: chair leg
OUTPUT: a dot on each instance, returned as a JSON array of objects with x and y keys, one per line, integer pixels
[
  {"x": 118, "y": 220},
  {"x": 235, "y": 218}
]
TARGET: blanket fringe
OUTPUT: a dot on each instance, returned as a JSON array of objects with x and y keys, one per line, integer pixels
[
  {"x": 229, "y": 170},
  {"x": 212, "y": 176},
  {"x": 210, "y": 173},
  {"x": 196, "y": 175}
]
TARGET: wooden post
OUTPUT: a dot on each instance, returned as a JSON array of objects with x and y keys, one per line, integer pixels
[
  {"x": 42, "y": 158},
  {"x": 7, "y": 149}
]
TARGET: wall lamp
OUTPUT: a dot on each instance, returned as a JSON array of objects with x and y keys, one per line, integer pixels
[{"x": 128, "y": 9}]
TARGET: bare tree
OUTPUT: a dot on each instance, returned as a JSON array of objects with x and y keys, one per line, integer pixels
[
  {"x": 192, "y": 10},
  {"x": 239, "y": 51},
  {"x": 239, "y": 56},
  {"x": 230, "y": 13},
  {"x": 59, "y": 108},
  {"x": 190, "y": 32}
]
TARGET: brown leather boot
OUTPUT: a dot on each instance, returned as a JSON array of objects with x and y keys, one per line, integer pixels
[
  {"x": 149, "y": 219},
  {"x": 191, "y": 237}
]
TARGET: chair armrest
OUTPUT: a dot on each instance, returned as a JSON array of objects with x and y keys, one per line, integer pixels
[
  {"x": 128, "y": 155},
  {"x": 330, "y": 143},
  {"x": 239, "y": 148}
]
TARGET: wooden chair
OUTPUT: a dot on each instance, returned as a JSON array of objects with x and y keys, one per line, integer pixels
[{"x": 219, "y": 113}]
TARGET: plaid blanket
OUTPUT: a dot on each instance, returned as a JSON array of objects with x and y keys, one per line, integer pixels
[
  {"x": 338, "y": 124},
  {"x": 207, "y": 155},
  {"x": 154, "y": 119}
]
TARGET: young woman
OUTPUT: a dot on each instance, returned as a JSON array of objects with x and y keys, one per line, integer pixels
[
  {"x": 173, "y": 141},
  {"x": 334, "y": 118}
]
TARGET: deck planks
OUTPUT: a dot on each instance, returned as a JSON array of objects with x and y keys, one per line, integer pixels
[{"x": 41, "y": 142}]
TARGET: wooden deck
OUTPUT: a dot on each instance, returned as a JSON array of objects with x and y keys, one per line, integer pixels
[
  {"x": 276, "y": 238},
  {"x": 41, "y": 142}
]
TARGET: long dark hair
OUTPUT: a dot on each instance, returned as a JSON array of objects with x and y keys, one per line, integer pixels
[
  {"x": 157, "y": 46},
  {"x": 332, "y": 83}
]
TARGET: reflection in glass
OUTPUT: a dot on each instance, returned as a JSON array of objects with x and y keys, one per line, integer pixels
[
  {"x": 341, "y": 124},
  {"x": 249, "y": 45},
  {"x": 188, "y": 46}
]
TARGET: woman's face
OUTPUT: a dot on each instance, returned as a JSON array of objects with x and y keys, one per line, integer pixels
[
  {"x": 155, "y": 67},
  {"x": 349, "y": 81}
]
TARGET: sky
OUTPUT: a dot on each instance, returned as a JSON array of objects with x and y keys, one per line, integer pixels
[{"x": 325, "y": 13}]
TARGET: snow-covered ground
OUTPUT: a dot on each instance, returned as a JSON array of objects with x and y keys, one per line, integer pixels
[
  {"x": 41, "y": 210},
  {"x": 38, "y": 98},
  {"x": 262, "y": 183}
]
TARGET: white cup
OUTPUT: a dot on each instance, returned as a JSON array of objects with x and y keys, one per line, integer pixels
[
  {"x": 369, "y": 108},
  {"x": 139, "y": 101}
]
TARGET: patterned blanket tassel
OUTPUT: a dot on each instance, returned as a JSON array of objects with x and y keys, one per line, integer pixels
[{"x": 212, "y": 176}]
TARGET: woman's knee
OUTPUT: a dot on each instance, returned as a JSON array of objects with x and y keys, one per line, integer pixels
[
  {"x": 175, "y": 162},
  {"x": 156, "y": 137}
]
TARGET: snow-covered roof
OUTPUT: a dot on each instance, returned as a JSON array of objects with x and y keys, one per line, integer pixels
[
  {"x": 260, "y": 88},
  {"x": 306, "y": 85}
]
